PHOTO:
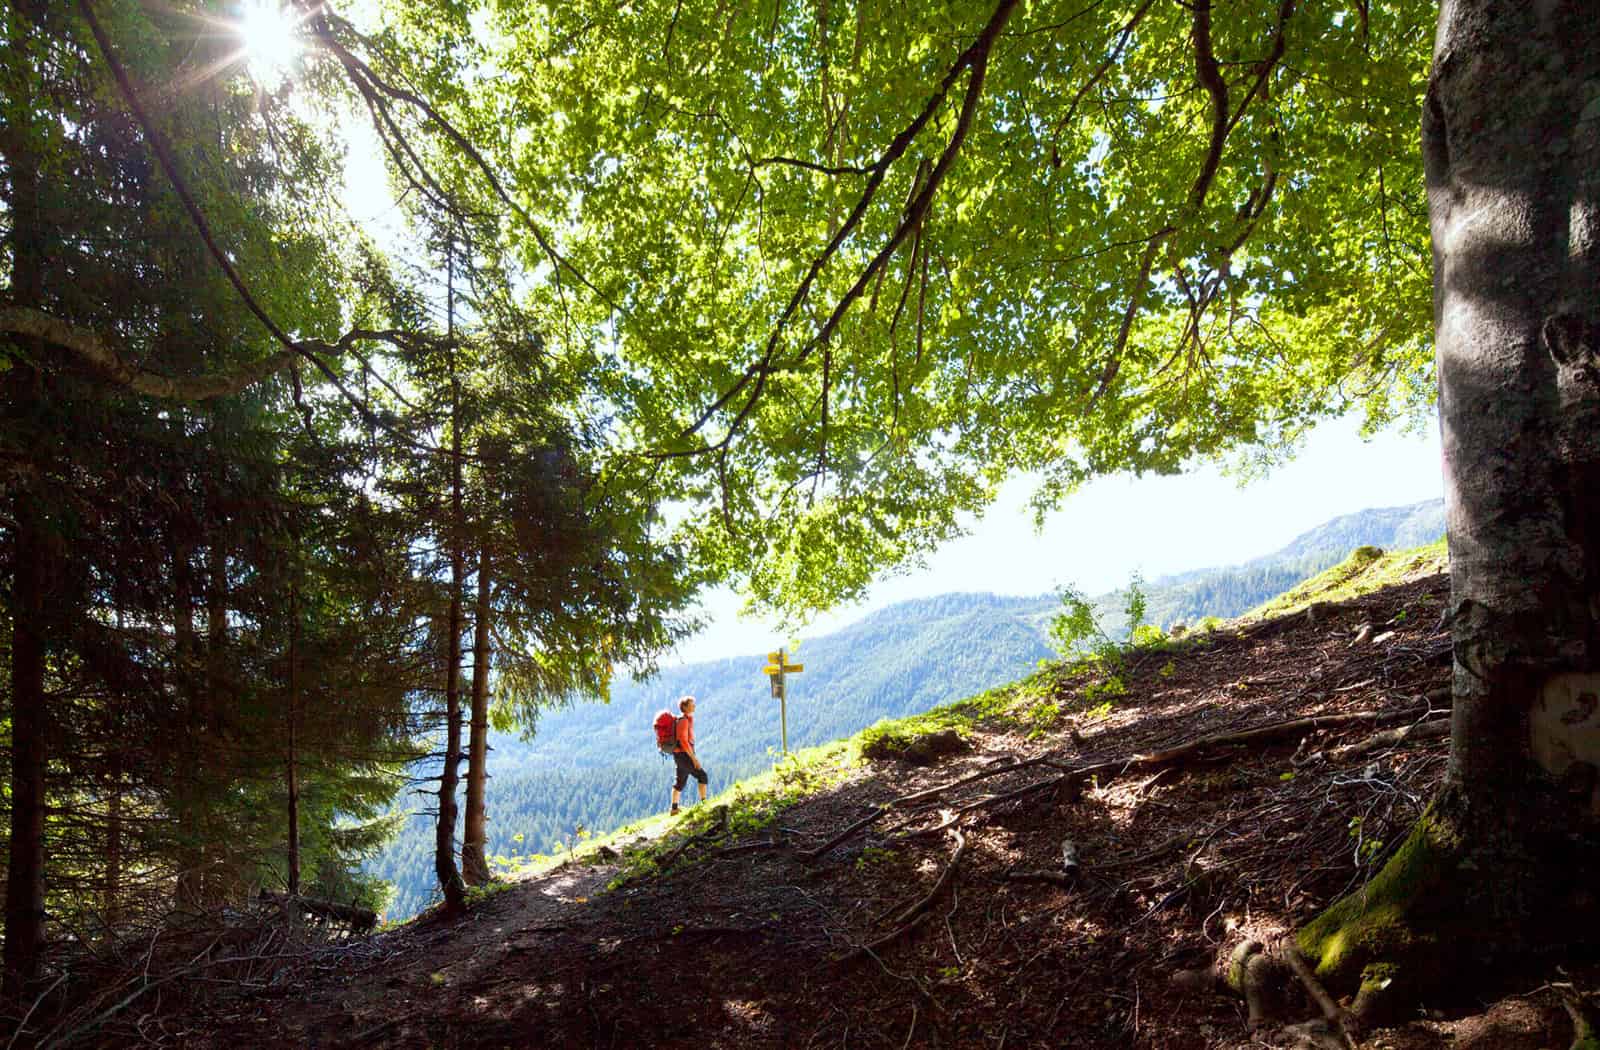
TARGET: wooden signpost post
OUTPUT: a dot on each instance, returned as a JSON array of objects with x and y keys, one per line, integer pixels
[{"x": 778, "y": 665}]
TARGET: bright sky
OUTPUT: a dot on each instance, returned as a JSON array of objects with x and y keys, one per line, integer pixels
[{"x": 1120, "y": 525}]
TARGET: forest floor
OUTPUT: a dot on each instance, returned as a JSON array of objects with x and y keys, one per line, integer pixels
[{"x": 950, "y": 920}]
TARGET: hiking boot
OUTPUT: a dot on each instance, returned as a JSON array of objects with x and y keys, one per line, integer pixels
[{"x": 674, "y": 812}]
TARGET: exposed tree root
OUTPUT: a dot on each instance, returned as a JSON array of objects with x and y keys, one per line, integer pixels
[
  {"x": 859, "y": 826},
  {"x": 718, "y": 829},
  {"x": 1585, "y": 1018},
  {"x": 745, "y": 847},
  {"x": 1435, "y": 727},
  {"x": 912, "y": 914},
  {"x": 1255, "y": 974},
  {"x": 1011, "y": 767},
  {"x": 1463, "y": 891},
  {"x": 1339, "y": 1020}
]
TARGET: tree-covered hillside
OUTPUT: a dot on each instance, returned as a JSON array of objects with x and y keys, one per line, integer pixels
[{"x": 594, "y": 767}]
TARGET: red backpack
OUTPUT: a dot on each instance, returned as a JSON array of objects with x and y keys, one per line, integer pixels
[{"x": 666, "y": 731}]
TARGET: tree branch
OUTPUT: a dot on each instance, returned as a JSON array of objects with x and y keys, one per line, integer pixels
[
  {"x": 753, "y": 381},
  {"x": 359, "y": 71},
  {"x": 99, "y": 355}
]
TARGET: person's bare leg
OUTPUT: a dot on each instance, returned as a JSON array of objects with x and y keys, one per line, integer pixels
[
  {"x": 702, "y": 791},
  {"x": 675, "y": 795}
]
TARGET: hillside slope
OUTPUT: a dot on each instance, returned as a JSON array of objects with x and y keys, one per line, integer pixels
[
  {"x": 884, "y": 904},
  {"x": 591, "y": 767}
]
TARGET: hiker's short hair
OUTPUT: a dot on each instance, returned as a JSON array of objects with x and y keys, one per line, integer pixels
[{"x": 684, "y": 702}]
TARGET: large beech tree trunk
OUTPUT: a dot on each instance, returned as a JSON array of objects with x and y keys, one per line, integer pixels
[
  {"x": 1511, "y": 140},
  {"x": 1512, "y": 145},
  {"x": 474, "y": 865}
]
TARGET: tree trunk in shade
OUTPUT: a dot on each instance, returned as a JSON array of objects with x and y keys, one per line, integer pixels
[
  {"x": 474, "y": 865},
  {"x": 1511, "y": 142}
]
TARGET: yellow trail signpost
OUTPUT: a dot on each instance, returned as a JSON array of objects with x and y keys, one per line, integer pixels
[{"x": 778, "y": 665}]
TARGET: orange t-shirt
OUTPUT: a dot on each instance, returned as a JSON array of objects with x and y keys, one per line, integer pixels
[{"x": 685, "y": 732}]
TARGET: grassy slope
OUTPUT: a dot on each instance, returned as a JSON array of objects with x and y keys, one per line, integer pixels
[{"x": 1367, "y": 569}]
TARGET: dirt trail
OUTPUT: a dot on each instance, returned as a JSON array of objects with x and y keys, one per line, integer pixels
[{"x": 760, "y": 947}]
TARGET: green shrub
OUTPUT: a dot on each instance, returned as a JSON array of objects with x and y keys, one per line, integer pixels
[{"x": 1088, "y": 649}]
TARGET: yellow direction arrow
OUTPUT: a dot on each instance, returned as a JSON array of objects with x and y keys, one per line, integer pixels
[
  {"x": 772, "y": 669},
  {"x": 775, "y": 657},
  {"x": 793, "y": 668}
]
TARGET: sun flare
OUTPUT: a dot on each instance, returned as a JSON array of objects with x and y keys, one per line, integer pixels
[{"x": 269, "y": 32}]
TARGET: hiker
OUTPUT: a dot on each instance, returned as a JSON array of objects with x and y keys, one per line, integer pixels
[{"x": 683, "y": 756}]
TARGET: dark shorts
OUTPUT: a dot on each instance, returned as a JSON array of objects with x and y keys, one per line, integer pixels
[{"x": 686, "y": 770}]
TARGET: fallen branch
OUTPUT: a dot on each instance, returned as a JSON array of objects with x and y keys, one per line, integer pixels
[
  {"x": 360, "y": 920},
  {"x": 1434, "y": 726},
  {"x": 909, "y": 916}
]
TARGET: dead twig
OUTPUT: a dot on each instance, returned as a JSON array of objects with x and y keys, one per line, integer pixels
[
  {"x": 913, "y": 913},
  {"x": 865, "y": 822},
  {"x": 22, "y": 1025}
]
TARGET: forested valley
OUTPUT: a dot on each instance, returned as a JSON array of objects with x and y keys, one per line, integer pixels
[{"x": 379, "y": 376}]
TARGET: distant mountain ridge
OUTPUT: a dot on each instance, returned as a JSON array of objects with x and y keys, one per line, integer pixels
[
  {"x": 1392, "y": 528},
  {"x": 594, "y": 765},
  {"x": 1228, "y": 591}
]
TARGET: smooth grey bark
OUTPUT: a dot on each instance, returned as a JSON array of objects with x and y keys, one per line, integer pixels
[
  {"x": 1511, "y": 133},
  {"x": 1498, "y": 867}
]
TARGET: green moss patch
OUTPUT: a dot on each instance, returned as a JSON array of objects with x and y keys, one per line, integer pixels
[{"x": 1384, "y": 941}]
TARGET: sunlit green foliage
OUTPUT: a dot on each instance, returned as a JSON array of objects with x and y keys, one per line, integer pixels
[{"x": 863, "y": 319}]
